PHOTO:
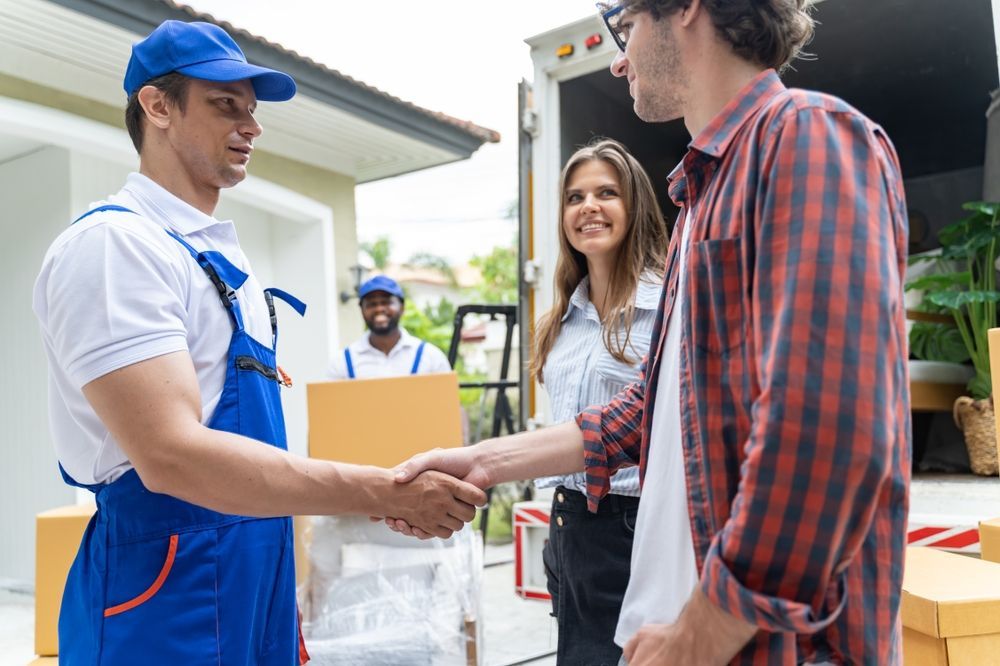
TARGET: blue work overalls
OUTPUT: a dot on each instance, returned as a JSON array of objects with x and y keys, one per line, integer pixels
[
  {"x": 159, "y": 581},
  {"x": 413, "y": 370}
]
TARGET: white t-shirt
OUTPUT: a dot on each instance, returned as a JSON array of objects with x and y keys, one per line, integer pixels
[
  {"x": 371, "y": 363},
  {"x": 664, "y": 571},
  {"x": 115, "y": 289}
]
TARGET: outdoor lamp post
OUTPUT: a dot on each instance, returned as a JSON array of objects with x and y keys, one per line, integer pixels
[{"x": 358, "y": 272}]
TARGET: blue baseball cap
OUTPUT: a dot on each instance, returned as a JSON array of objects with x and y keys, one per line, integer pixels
[
  {"x": 202, "y": 51},
  {"x": 380, "y": 283}
]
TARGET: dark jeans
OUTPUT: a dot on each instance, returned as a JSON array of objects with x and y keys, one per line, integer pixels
[{"x": 587, "y": 561}]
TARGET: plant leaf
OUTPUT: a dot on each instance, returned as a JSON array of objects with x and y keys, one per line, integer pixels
[
  {"x": 955, "y": 300},
  {"x": 980, "y": 387},
  {"x": 957, "y": 233},
  {"x": 937, "y": 342},
  {"x": 928, "y": 256},
  {"x": 988, "y": 208},
  {"x": 940, "y": 281}
]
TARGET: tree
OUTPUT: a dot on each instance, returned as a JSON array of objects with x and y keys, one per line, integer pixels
[
  {"x": 432, "y": 323},
  {"x": 434, "y": 262},
  {"x": 378, "y": 251},
  {"x": 499, "y": 271}
]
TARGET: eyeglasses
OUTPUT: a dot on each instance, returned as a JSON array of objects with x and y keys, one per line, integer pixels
[{"x": 612, "y": 18}]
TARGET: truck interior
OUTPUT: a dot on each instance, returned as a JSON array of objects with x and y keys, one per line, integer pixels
[{"x": 922, "y": 70}]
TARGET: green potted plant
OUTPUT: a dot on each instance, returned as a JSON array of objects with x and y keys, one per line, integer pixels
[{"x": 965, "y": 287}]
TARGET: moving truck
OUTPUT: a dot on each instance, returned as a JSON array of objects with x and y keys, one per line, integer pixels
[{"x": 923, "y": 70}]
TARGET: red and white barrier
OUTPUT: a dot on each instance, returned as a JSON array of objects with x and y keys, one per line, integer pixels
[
  {"x": 531, "y": 530},
  {"x": 956, "y": 538}
]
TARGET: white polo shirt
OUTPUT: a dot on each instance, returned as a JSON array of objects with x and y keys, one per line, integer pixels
[
  {"x": 371, "y": 363},
  {"x": 115, "y": 289}
]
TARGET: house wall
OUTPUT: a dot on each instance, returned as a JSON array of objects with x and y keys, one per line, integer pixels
[
  {"x": 36, "y": 194},
  {"x": 328, "y": 187},
  {"x": 337, "y": 192}
]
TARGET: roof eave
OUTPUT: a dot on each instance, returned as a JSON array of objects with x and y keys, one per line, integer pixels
[{"x": 313, "y": 80}]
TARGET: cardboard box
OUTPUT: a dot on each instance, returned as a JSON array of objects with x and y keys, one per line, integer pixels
[
  {"x": 993, "y": 335},
  {"x": 378, "y": 422},
  {"x": 989, "y": 539},
  {"x": 950, "y": 609},
  {"x": 58, "y": 533},
  {"x": 383, "y": 421}
]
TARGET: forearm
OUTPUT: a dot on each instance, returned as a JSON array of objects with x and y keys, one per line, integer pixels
[
  {"x": 703, "y": 634},
  {"x": 545, "y": 452},
  {"x": 717, "y": 633},
  {"x": 234, "y": 474}
]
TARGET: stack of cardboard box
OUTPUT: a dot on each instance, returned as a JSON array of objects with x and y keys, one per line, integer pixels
[
  {"x": 57, "y": 538},
  {"x": 951, "y": 605}
]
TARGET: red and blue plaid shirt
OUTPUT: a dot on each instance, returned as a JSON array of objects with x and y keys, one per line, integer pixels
[{"x": 793, "y": 369}]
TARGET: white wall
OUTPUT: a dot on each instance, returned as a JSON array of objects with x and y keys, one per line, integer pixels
[
  {"x": 35, "y": 191},
  {"x": 94, "y": 179}
]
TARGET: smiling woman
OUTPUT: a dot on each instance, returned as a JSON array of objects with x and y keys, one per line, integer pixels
[
  {"x": 612, "y": 240},
  {"x": 612, "y": 232}
]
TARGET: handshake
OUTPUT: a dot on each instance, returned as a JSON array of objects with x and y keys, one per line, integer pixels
[{"x": 435, "y": 493}]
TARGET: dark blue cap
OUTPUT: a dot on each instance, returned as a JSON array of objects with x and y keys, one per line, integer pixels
[
  {"x": 380, "y": 283},
  {"x": 201, "y": 51}
]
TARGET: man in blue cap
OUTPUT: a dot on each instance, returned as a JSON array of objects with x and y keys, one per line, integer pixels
[
  {"x": 164, "y": 390},
  {"x": 387, "y": 349}
]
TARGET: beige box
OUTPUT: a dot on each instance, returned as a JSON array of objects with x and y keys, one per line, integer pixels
[
  {"x": 383, "y": 421},
  {"x": 58, "y": 533},
  {"x": 950, "y": 609},
  {"x": 989, "y": 539},
  {"x": 378, "y": 422}
]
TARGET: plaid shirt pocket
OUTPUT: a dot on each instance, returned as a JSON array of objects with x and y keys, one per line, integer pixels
[{"x": 716, "y": 291}]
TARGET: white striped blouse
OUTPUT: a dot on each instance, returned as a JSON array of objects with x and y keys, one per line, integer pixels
[{"x": 580, "y": 372}]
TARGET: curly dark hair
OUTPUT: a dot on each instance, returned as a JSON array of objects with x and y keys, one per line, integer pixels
[{"x": 770, "y": 33}]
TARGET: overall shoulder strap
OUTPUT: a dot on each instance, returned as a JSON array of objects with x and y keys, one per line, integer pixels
[
  {"x": 269, "y": 295},
  {"x": 101, "y": 209},
  {"x": 420, "y": 353},
  {"x": 350, "y": 366},
  {"x": 225, "y": 277}
]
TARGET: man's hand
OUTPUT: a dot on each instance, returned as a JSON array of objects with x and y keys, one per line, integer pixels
[
  {"x": 652, "y": 645},
  {"x": 703, "y": 634},
  {"x": 434, "y": 504},
  {"x": 461, "y": 463}
]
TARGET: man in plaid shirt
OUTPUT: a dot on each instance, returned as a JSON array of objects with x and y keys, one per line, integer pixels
[{"x": 773, "y": 407}]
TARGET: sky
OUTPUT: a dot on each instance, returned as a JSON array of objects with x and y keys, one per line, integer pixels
[{"x": 460, "y": 57}]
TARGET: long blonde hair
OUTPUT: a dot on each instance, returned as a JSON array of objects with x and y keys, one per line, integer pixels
[{"x": 643, "y": 249}]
